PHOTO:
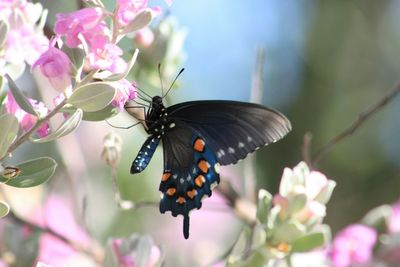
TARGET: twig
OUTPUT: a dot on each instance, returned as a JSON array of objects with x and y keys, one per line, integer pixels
[
  {"x": 361, "y": 118},
  {"x": 305, "y": 149},
  {"x": 95, "y": 255},
  {"x": 39, "y": 123}
]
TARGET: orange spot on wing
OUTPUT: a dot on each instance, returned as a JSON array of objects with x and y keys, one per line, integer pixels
[
  {"x": 192, "y": 193},
  {"x": 199, "y": 145},
  {"x": 199, "y": 180},
  {"x": 181, "y": 200},
  {"x": 165, "y": 176},
  {"x": 203, "y": 165},
  {"x": 171, "y": 191}
]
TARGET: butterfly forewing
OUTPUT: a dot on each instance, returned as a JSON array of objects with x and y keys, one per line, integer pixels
[{"x": 232, "y": 129}]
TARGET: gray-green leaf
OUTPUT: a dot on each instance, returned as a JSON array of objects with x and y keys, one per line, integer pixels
[
  {"x": 93, "y": 96},
  {"x": 140, "y": 21},
  {"x": 76, "y": 55},
  {"x": 308, "y": 242},
  {"x": 19, "y": 97},
  {"x": 4, "y": 209},
  {"x": 8, "y": 132},
  {"x": 65, "y": 128},
  {"x": 3, "y": 32},
  {"x": 33, "y": 172},
  {"x": 264, "y": 204}
]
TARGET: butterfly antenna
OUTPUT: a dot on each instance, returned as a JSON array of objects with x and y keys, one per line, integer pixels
[
  {"x": 140, "y": 90},
  {"x": 160, "y": 77},
  {"x": 122, "y": 127},
  {"x": 173, "y": 82}
]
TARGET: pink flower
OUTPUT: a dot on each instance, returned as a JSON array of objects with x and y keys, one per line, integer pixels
[
  {"x": 127, "y": 10},
  {"x": 353, "y": 245},
  {"x": 55, "y": 65},
  {"x": 144, "y": 37},
  {"x": 24, "y": 44},
  {"x": 25, "y": 119},
  {"x": 126, "y": 91},
  {"x": 127, "y": 253},
  {"x": 300, "y": 183},
  {"x": 105, "y": 55},
  {"x": 57, "y": 215},
  {"x": 394, "y": 219},
  {"x": 78, "y": 22}
]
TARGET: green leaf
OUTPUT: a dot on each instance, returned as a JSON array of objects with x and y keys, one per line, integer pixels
[
  {"x": 264, "y": 204},
  {"x": 65, "y": 128},
  {"x": 4, "y": 208},
  {"x": 288, "y": 232},
  {"x": 9, "y": 130},
  {"x": 19, "y": 97},
  {"x": 101, "y": 115},
  {"x": 308, "y": 242},
  {"x": 3, "y": 32},
  {"x": 92, "y": 97},
  {"x": 33, "y": 172},
  {"x": 296, "y": 203},
  {"x": 256, "y": 259},
  {"x": 140, "y": 21},
  {"x": 119, "y": 76}
]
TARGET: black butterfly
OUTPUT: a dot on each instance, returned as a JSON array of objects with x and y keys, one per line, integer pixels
[{"x": 197, "y": 137}]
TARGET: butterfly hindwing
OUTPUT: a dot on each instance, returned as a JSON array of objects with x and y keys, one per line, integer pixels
[
  {"x": 185, "y": 182},
  {"x": 232, "y": 129}
]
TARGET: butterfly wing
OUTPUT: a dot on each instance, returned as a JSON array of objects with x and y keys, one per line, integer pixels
[
  {"x": 190, "y": 172},
  {"x": 232, "y": 129}
]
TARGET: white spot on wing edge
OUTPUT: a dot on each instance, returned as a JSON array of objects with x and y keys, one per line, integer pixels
[
  {"x": 231, "y": 150},
  {"x": 240, "y": 145}
]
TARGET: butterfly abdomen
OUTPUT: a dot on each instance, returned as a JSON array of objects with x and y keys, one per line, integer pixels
[{"x": 145, "y": 154}]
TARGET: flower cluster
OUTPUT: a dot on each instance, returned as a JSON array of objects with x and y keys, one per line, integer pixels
[
  {"x": 21, "y": 38},
  {"x": 291, "y": 221}
]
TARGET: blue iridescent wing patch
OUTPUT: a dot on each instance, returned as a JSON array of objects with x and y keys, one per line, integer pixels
[{"x": 183, "y": 188}]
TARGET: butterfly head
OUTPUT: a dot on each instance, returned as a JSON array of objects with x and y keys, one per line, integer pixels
[{"x": 157, "y": 101}]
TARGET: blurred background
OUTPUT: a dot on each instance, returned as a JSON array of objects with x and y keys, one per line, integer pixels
[{"x": 325, "y": 62}]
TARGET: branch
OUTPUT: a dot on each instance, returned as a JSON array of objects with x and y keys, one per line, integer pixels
[
  {"x": 94, "y": 253},
  {"x": 357, "y": 123},
  {"x": 39, "y": 123}
]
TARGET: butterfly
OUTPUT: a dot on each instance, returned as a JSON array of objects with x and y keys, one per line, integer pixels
[{"x": 197, "y": 137}]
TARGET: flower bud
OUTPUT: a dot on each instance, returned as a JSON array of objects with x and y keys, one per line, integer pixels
[
  {"x": 111, "y": 149},
  {"x": 55, "y": 65}
]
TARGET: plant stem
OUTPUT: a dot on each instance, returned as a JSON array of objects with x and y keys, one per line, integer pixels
[{"x": 39, "y": 123}]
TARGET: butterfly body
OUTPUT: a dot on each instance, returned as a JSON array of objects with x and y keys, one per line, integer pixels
[{"x": 197, "y": 137}]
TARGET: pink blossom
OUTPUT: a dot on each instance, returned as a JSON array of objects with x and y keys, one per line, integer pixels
[
  {"x": 24, "y": 44},
  {"x": 144, "y": 37},
  {"x": 105, "y": 55},
  {"x": 129, "y": 258},
  {"x": 299, "y": 183},
  {"x": 126, "y": 91},
  {"x": 57, "y": 215},
  {"x": 55, "y": 65},
  {"x": 394, "y": 219},
  {"x": 25, "y": 119},
  {"x": 353, "y": 245},
  {"x": 127, "y": 10},
  {"x": 78, "y": 22}
]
